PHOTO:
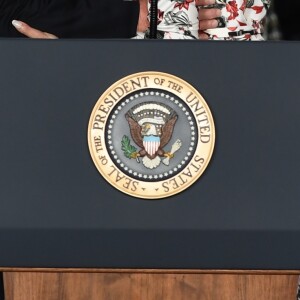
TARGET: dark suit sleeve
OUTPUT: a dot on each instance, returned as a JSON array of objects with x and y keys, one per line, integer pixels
[
  {"x": 288, "y": 14},
  {"x": 72, "y": 18}
]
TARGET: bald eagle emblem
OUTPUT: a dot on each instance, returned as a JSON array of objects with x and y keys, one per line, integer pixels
[{"x": 151, "y": 128}]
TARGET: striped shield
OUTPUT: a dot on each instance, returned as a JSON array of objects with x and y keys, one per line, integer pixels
[{"x": 151, "y": 144}]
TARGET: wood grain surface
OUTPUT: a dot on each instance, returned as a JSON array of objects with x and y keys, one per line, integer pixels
[
  {"x": 153, "y": 271},
  {"x": 148, "y": 286}
]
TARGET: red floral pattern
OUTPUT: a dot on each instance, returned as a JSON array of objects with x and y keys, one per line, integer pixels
[
  {"x": 177, "y": 19},
  {"x": 243, "y": 19},
  {"x": 185, "y": 4},
  {"x": 160, "y": 16},
  {"x": 232, "y": 8}
]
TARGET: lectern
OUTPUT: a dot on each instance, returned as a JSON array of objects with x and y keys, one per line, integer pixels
[{"x": 233, "y": 234}]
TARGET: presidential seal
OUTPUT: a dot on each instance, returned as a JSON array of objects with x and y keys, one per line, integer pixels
[{"x": 151, "y": 135}]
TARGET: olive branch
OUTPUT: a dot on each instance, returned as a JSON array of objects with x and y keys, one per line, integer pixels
[{"x": 127, "y": 148}]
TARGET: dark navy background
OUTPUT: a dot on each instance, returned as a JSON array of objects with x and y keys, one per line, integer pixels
[
  {"x": 57, "y": 211},
  {"x": 72, "y": 19}
]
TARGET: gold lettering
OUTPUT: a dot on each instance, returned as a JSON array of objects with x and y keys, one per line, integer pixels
[
  {"x": 174, "y": 86},
  {"x": 127, "y": 183},
  {"x": 100, "y": 119},
  {"x": 109, "y": 102},
  {"x": 134, "y": 186},
  {"x": 205, "y": 134},
  {"x": 145, "y": 79},
  {"x": 136, "y": 84},
  {"x": 98, "y": 143},
  {"x": 126, "y": 87},
  {"x": 103, "y": 160},
  {"x": 182, "y": 180},
  {"x": 103, "y": 109},
  {"x": 175, "y": 183},
  {"x": 119, "y": 92},
  {"x": 165, "y": 186},
  {"x": 188, "y": 100},
  {"x": 96, "y": 125},
  {"x": 188, "y": 173},
  {"x": 197, "y": 168},
  {"x": 199, "y": 159}
]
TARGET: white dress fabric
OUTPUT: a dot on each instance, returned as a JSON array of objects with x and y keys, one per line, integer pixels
[
  {"x": 177, "y": 19},
  {"x": 241, "y": 20}
]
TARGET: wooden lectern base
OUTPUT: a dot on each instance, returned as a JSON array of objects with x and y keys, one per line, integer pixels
[{"x": 49, "y": 284}]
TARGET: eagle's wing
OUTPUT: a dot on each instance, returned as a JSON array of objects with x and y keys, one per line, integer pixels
[
  {"x": 167, "y": 131},
  {"x": 135, "y": 130}
]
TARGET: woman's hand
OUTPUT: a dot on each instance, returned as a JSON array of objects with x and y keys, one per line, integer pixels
[
  {"x": 32, "y": 32},
  {"x": 207, "y": 17},
  {"x": 143, "y": 23}
]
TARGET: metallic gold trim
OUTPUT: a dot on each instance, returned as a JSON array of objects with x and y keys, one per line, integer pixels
[{"x": 110, "y": 171}]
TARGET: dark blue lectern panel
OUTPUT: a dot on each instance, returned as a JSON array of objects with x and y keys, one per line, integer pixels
[{"x": 57, "y": 211}]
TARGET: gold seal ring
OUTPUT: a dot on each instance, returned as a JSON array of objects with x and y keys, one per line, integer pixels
[{"x": 151, "y": 135}]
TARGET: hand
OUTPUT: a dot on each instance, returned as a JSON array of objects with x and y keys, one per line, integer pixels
[
  {"x": 143, "y": 23},
  {"x": 207, "y": 17},
  {"x": 32, "y": 32}
]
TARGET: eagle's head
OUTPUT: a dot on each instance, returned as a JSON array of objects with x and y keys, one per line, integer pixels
[{"x": 150, "y": 129}]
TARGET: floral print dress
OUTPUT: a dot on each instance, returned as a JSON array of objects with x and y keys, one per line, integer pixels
[
  {"x": 177, "y": 19},
  {"x": 240, "y": 20}
]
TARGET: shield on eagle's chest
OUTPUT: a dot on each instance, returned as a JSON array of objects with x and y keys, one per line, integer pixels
[{"x": 151, "y": 144}]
